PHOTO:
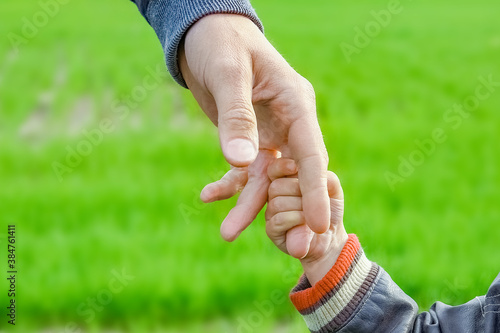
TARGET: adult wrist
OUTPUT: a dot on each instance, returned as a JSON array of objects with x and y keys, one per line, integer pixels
[
  {"x": 223, "y": 36},
  {"x": 171, "y": 20}
]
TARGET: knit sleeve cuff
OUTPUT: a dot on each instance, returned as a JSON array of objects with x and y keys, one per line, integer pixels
[
  {"x": 171, "y": 19},
  {"x": 330, "y": 303}
]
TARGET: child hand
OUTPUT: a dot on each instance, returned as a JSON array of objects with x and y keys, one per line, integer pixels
[{"x": 286, "y": 225}]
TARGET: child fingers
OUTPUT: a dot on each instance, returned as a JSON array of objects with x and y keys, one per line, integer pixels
[
  {"x": 284, "y": 187},
  {"x": 336, "y": 211},
  {"x": 280, "y": 223},
  {"x": 284, "y": 204},
  {"x": 281, "y": 167},
  {"x": 298, "y": 241},
  {"x": 334, "y": 187},
  {"x": 336, "y": 198}
]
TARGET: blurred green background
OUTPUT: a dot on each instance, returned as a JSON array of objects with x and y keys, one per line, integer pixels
[{"x": 130, "y": 207}]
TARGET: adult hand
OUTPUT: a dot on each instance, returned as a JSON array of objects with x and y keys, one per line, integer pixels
[{"x": 259, "y": 103}]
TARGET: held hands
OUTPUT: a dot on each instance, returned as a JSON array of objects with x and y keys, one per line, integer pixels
[
  {"x": 261, "y": 106},
  {"x": 286, "y": 223}
]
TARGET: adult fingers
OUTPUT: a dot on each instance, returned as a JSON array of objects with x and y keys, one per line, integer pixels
[
  {"x": 231, "y": 183},
  {"x": 216, "y": 63},
  {"x": 251, "y": 200},
  {"x": 231, "y": 88},
  {"x": 308, "y": 150}
]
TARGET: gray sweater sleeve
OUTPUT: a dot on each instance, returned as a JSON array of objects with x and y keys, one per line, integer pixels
[
  {"x": 172, "y": 18},
  {"x": 357, "y": 295},
  {"x": 388, "y": 309}
]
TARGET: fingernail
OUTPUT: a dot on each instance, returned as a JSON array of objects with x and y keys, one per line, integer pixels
[
  {"x": 292, "y": 167},
  {"x": 241, "y": 151}
]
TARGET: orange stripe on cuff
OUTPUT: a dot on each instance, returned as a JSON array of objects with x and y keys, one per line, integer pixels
[{"x": 309, "y": 297}]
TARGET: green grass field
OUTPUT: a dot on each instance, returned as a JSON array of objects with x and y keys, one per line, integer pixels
[{"x": 131, "y": 206}]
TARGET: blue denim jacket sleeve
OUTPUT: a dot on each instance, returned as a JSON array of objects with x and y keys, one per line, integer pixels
[{"x": 170, "y": 19}]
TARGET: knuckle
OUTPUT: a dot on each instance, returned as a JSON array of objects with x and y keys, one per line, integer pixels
[
  {"x": 307, "y": 86},
  {"x": 231, "y": 68},
  {"x": 239, "y": 112},
  {"x": 227, "y": 65},
  {"x": 269, "y": 229},
  {"x": 277, "y": 222},
  {"x": 267, "y": 215},
  {"x": 274, "y": 189},
  {"x": 317, "y": 157},
  {"x": 274, "y": 205},
  {"x": 298, "y": 93},
  {"x": 290, "y": 166},
  {"x": 306, "y": 89}
]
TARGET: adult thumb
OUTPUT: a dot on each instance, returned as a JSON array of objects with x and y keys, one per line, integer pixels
[{"x": 237, "y": 123}]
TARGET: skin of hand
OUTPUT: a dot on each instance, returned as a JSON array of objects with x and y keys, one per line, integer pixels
[
  {"x": 285, "y": 220},
  {"x": 261, "y": 107}
]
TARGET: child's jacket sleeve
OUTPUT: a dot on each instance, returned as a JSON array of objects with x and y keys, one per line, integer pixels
[
  {"x": 172, "y": 18},
  {"x": 357, "y": 295}
]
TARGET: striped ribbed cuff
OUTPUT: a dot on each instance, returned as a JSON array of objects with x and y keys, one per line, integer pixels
[{"x": 330, "y": 303}]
